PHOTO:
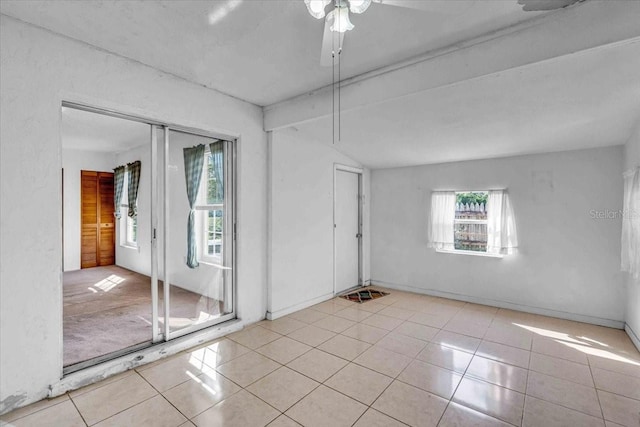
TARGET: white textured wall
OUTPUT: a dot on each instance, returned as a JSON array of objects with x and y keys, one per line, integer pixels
[
  {"x": 301, "y": 226},
  {"x": 38, "y": 70},
  {"x": 632, "y": 315},
  {"x": 568, "y": 264},
  {"x": 74, "y": 161}
]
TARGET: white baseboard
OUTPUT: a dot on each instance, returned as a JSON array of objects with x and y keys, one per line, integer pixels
[
  {"x": 273, "y": 315},
  {"x": 634, "y": 338},
  {"x": 617, "y": 324}
]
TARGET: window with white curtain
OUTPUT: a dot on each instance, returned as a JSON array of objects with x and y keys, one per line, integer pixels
[
  {"x": 631, "y": 224},
  {"x": 475, "y": 222}
]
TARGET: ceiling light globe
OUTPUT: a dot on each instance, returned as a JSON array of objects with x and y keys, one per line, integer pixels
[
  {"x": 341, "y": 22},
  {"x": 316, "y": 7},
  {"x": 359, "y": 6}
]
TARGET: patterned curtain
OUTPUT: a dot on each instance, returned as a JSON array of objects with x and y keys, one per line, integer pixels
[
  {"x": 193, "y": 164},
  {"x": 118, "y": 180},
  {"x": 132, "y": 188},
  {"x": 217, "y": 155}
]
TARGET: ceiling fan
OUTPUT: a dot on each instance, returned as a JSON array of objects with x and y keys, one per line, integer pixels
[{"x": 337, "y": 21}]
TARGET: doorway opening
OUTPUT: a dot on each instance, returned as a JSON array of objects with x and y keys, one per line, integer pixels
[
  {"x": 141, "y": 210},
  {"x": 347, "y": 228}
]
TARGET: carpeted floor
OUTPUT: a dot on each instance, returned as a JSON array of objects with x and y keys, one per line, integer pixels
[{"x": 107, "y": 309}]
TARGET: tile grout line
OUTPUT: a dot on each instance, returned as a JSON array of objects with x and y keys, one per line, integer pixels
[
  {"x": 79, "y": 413},
  {"x": 323, "y": 383},
  {"x": 475, "y": 353},
  {"x": 9, "y": 423},
  {"x": 458, "y": 386},
  {"x": 123, "y": 410},
  {"x": 118, "y": 412},
  {"x": 595, "y": 389},
  {"x": 206, "y": 409},
  {"x": 413, "y": 358},
  {"x": 365, "y": 367},
  {"x": 300, "y": 373},
  {"x": 167, "y": 400},
  {"x": 460, "y": 309},
  {"x": 564, "y": 406},
  {"x": 113, "y": 381},
  {"x": 526, "y": 388}
]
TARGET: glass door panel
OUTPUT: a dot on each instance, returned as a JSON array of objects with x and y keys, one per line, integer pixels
[
  {"x": 198, "y": 230},
  {"x": 107, "y": 227}
]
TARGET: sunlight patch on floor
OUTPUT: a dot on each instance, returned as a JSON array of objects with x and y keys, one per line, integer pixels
[
  {"x": 109, "y": 283},
  {"x": 583, "y": 344}
]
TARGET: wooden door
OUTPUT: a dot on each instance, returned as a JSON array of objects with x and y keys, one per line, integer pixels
[{"x": 98, "y": 223}]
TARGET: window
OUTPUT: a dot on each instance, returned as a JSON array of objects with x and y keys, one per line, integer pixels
[
  {"x": 210, "y": 205},
  {"x": 472, "y": 222},
  {"x": 128, "y": 227},
  {"x": 131, "y": 233}
]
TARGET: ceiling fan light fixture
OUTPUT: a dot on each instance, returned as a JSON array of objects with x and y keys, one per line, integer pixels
[
  {"x": 316, "y": 7},
  {"x": 359, "y": 6},
  {"x": 340, "y": 18}
]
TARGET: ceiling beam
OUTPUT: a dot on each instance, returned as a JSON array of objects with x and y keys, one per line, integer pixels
[{"x": 583, "y": 27}]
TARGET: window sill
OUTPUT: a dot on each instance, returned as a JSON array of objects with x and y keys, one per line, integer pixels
[
  {"x": 472, "y": 253},
  {"x": 126, "y": 246}
]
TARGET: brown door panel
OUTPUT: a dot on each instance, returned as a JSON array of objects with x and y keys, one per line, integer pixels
[{"x": 97, "y": 220}]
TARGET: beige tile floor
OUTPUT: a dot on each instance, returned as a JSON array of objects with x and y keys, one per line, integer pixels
[{"x": 404, "y": 359}]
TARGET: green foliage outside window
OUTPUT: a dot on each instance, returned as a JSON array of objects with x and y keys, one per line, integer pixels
[
  {"x": 212, "y": 187},
  {"x": 470, "y": 198}
]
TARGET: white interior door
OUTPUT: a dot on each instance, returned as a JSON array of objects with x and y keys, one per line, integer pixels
[{"x": 347, "y": 230}]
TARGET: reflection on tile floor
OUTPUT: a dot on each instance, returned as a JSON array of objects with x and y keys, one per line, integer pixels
[{"x": 404, "y": 359}]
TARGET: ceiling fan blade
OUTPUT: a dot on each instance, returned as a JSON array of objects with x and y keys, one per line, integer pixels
[
  {"x": 543, "y": 5},
  {"x": 332, "y": 42},
  {"x": 446, "y": 7}
]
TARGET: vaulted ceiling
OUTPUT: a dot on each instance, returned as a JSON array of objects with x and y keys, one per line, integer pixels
[
  {"x": 459, "y": 80},
  {"x": 262, "y": 51}
]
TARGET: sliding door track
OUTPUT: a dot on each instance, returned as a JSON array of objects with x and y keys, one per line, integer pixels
[{"x": 104, "y": 358}]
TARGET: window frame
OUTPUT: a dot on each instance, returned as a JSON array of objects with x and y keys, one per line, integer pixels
[
  {"x": 202, "y": 209},
  {"x": 457, "y": 221},
  {"x": 125, "y": 240}
]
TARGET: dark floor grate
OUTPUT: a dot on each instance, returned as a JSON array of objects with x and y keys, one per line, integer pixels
[{"x": 364, "y": 295}]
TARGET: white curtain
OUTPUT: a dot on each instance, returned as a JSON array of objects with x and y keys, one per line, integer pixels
[
  {"x": 631, "y": 224},
  {"x": 502, "y": 237},
  {"x": 440, "y": 224}
]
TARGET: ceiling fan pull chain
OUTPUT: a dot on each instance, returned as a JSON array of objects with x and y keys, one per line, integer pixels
[
  {"x": 339, "y": 96},
  {"x": 333, "y": 90}
]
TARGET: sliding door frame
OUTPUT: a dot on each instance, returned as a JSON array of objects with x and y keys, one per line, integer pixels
[
  {"x": 229, "y": 231},
  {"x": 159, "y": 336}
]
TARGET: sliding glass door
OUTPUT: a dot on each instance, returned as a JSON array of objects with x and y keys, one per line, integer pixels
[{"x": 169, "y": 266}]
